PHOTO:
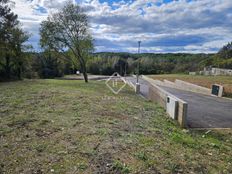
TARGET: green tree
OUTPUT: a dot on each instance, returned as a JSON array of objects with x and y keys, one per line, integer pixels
[
  {"x": 12, "y": 39},
  {"x": 223, "y": 59},
  {"x": 48, "y": 65},
  {"x": 225, "y": 52},
  {"x": 68, "y": 30}
]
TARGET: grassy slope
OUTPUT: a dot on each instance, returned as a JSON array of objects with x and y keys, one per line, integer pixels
[
  {"x": 55, "y": 126},
  {"x": 205, "y": 81}
]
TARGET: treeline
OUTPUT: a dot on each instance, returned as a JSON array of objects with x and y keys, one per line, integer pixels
[
  {"x": 48, "y": 65},
  {"x": 223, "y": 59},
  {"x": 106, "y": 63},
  {"x": 51, "y": 64},
  {"x": 125, "y": 63}
]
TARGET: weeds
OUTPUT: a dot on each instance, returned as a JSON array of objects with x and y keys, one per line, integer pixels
[{"x": 120, "y": 167}]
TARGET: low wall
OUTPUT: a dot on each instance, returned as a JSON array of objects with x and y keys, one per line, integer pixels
[
  {"x": 158, "y": 82},
  {"x": 178, "y": 108},
  {"x": 150, "y": 80},
  {"x": 179, "y": 84},
  {"x": 171, "y": 84},
  {"x": 182, "y": 113},
  {"x": 158, "y": 95},
  {"x": 192, "y": 87}
]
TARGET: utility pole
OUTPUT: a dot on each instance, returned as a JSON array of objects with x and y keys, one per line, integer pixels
[
  {"x": 139, "y": 44},
  {"x": 137, "y": 89}
]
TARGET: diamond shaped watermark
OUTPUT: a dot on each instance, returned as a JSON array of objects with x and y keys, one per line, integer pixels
[{"x": 116, "y": 83}]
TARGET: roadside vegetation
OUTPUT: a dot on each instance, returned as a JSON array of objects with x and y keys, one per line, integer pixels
[{"x": 58, "y": 126}]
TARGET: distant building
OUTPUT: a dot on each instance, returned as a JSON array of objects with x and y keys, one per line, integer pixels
[
  {"x": 219, "y": 71},
  {"x": 193, "y": 73},
  {"x": 216, "y": 71}
]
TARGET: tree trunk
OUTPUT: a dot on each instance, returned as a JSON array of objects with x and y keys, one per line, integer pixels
[
  {"x": 19, "y": 73},
  {"x": 7, "y": 66},
  {"x": 85, "y": 77},
  {"x": 84, "y": 70}
]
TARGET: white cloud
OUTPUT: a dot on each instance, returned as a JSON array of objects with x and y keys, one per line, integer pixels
[
  {"x": 177, "y": 26},
  {"x": 31, "y": 15}
]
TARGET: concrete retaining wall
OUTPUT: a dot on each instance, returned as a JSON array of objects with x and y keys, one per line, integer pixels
[
  {"x": 158, "y": 82},
  {"x": 179, "y": 84},
  {"x": 171, "y": 84},
  {"x": 176, "y": 108},
  {"x": 172, "y": 107},
  {"x": 192, "y": 87},
  {"x": 150, "y": 80},
  {"x": 182, "y": 113},
  {"x": 158, "y": 95}
]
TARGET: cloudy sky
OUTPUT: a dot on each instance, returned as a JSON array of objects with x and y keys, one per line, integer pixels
[{"x": 162, "y": 25}]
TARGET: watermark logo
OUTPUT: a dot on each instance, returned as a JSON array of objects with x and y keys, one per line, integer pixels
[{"x": 116, "y": 83}]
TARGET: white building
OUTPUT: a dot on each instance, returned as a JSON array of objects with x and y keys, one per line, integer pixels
[
  {"x": 219, "y": 71},
  {"x": 216, "y": 71}
]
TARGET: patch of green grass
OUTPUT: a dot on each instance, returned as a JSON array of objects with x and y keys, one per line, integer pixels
[
  {"x": 5, "y": 130},
  {"x": 102, "y": 131},
  {"x": 120, "y": 167},
  {"x": 82, "y": 166},
  {"x": 142, "y": 156},
  {"x": 184, "y": 140},
  {"x": 174, "y": 168}
]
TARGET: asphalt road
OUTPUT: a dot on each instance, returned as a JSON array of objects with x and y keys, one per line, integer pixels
[
  {"x": 143, "y": 85},
  {"x": 203, "y": 111}
]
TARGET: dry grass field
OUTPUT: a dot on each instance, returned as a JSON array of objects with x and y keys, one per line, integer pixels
[
  {"x": 206, "y": 81},
  {"x": 63, "y": 126}
]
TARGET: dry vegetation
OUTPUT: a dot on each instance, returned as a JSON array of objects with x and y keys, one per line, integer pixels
[
  {"x": 206, "y": 81},
  {"x": 57, "y": 126}
]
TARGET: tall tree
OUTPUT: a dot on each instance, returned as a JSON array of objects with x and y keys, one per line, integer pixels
[
  {"x": 68, "y": 30},
  {"x": 12, "y": 39}
]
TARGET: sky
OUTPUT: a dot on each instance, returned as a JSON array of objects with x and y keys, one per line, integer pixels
[{"x": 163, "y": 26}]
